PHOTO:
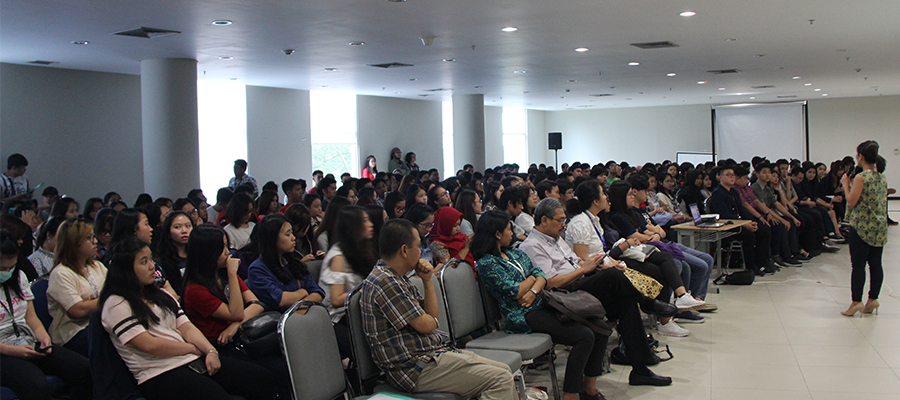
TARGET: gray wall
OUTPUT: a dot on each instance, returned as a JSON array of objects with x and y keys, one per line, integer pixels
[
  {"x": 80, "y": 130},
  {"x": 278, "y": 131},
  {"x": 412, "y": 125},
  {"x": 493, "y": 137}
]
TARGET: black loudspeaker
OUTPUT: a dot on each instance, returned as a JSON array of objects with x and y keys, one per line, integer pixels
[{"x": 554, "y": 139}]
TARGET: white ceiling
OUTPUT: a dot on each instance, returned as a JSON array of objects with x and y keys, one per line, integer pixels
[{"x": 774, "y": 42}]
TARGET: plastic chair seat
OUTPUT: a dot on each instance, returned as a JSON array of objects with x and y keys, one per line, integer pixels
[{"x": 529, "y": 346}]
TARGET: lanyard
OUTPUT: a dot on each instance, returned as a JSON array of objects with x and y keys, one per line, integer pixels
[
  {"x": 515, "y": 265},
  {"x": 90, "y": 280},
  {"x": 602, "y": 240},
  {"x": 10, "y": 310}
]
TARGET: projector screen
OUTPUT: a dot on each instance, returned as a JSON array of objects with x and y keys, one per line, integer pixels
[{"x": 774, "y": 131}]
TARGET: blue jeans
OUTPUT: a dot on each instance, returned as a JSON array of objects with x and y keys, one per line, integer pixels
[{"x": 695, "y": 273}]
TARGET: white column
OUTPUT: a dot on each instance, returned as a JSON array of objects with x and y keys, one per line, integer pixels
[
  {"x": 171, "y": 147},
  {"x": 468, "y": 131}
]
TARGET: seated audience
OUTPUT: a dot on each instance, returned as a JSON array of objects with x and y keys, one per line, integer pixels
[
  {"x": 395, "y": 204},
  {"x": 439, "y": 197},
  {"x": 728, "y": 204},
  {"x": 277, "y": 277},
  {"x": 131, "y": 223},
  {"x": 91, "y": 207},
  {"x": 65, "y": 207},
  {"x": 563, "y": 269},
  {"x": 240, "y": 216},
  {"x": 469, "y": 204},
  {"x": 401, "y": 330},
  {"x": 493, "y": 191},
  {"x": 306, "y": 248},
  {"x": 511, "y": 203},
  {"x": 42, "y": 258},
  {"x": 216, "y": 212},
  {"x": 529, "y": 200},
  {"x": 416, "y": 194},
  {"x": 158, "y": 343},
  {"x": 446, "y": 239},
  {"x": 103, "y": 225},
  {"x": 172, "y": 248},
  {"x": 27, "y": 354},
  {"x": 325, "y": 231},
  {"x": 348, "y": 261},
  {"x": 422, "y": 218},
  {"x": 266, "y": 203},
  {"x": 74, "y": 285}
]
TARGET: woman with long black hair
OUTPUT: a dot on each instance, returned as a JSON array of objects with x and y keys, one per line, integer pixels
[
  {"x": 172, "y": 248},
  {"x": 133, "y": 223},
  {"x": 867, "y": 213},
  {"x": 278, "y": 277},
  {"x": 163, "y": 349}
]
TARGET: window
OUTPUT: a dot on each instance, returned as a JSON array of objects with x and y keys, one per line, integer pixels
[
  {"x": 222, "y": 123},
  {"x": 515, "y": 136},
  {"x": 333, "y": 124}
]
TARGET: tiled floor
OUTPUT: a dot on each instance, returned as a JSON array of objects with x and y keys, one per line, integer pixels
[{"x": 782, "y": 338}]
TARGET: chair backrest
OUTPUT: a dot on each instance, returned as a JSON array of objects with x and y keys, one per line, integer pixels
[
  {"x": 366, "y": 369},
  {"x": 315, "y": 268},
  {"x": 116, "y": 382},
  {"x": 464, "y": 307},
  {"x": 442, "y": 312},
  {"x": 39, "y": 290},
  {"x": 311, "y": 350},
  {"x": 491, "y": 306}
]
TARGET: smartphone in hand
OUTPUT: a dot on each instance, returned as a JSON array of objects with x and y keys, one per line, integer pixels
[
  {"x": 199, "y": 366},
  {"x": 44, "y": 349}
]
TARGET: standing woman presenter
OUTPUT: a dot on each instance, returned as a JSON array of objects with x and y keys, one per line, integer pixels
[{"x": 867, "y": 214}]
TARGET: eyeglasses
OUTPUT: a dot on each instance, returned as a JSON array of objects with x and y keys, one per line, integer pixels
[
  {"x": 193, "y": 212},
  {"x": 444, "y": 194},
  {"x": 428, "y": 225},
  {"x": 560, "y": 220}
]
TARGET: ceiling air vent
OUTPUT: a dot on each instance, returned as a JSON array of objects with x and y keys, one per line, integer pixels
[
  {"x": 146, "y": 33},
  {"x": 438, "y": 90},
  {"x": 724, "y": 71},
  {"x": 787, "y": 97},
  {"x": 655, "y": 45},
  {"x": 390, "y": 65},
  {"x": 43, "y": 62},
  {"x": 762, "y": 87},
  {"x": 601, "y": 95}
]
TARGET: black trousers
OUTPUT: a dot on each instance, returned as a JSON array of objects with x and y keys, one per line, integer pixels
[
  {"x": 620, "y": 299},
  {"x": 274, "y": 363},
  {"x": 755, "y": 244},
  {"x": 588, "y": 348},
  {"x": 660, "y": 266},
  {"x": 861, "y": 253},
  {"x": 237, "y": 377},
  {"x": 28, "y": 378}
]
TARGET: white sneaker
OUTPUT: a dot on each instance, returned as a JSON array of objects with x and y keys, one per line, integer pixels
[
  {"x": 686, "y": 301},
  {"x": 672, "y": 329}
]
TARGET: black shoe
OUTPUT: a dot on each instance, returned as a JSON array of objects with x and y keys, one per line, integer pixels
[
  {"x": 662, "y": 309},
  {"x": 760, "y": 271},
  {"x": 779, "y": 262},
  {"x": 771, "y": 267},
  {"x": 792, "y": 262},
  {"x": 892, "y": 222},
  {"x": 648, "y": 380}
]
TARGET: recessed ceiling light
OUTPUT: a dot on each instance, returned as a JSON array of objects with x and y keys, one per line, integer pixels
[
  {"x": 331, "y": 69},
  {"x": 670, "y": 74},
  {"x": 573, "y": 80},
  {"x": 817, "y": 90},
  {"x": 730, "y": 39},
  {"x": 701, "y": 82},
  {"x": 688, "y": 14},
  {"x": 509, "y": 29},
  {"x": 721, "y": 88},
  {"x": 226, "y": 57},
  {"x": 449, "y": 60},
  {"x": 81, "y": 42},
  {"x": 582, "y": 49},
  {"x": 526, "y": 92},
  {"x": 760, "y": 55},
  {"x": 562, "y": 97},
  {"x": 478, "y": 87},
  {"x": 413, "y": 79},
  {"x": 357, "y": 43},
  {"x": 824, "y": 94},
  {"x": 397, "y": 92},
  {"x": 634, "y": 63},
  {"x": 234, "y": 79},
  {"x": 795, "y": 77},
  {"x": 221, "y": 22},
  {"x": 752, "y": 98},
  {"x": 807, "y": 84},
  {"x": 519, "y": 71},
  {"x": 740, "y": 94}
]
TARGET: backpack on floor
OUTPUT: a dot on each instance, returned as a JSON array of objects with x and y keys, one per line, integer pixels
[{"x": 743, "y": 278}]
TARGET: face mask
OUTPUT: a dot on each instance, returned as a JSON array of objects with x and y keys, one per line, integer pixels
[{"x": 5, "y": 275}]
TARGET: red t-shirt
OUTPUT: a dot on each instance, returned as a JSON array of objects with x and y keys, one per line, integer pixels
[{"x": 200, "y": 304}]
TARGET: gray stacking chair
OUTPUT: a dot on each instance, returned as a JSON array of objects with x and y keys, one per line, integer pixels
[
  {"x": 467, "y": 314},
  {"x": 367, "y": 371},
  {"x": 315, "y": 268},
  {"x": 310, "y": 348}
]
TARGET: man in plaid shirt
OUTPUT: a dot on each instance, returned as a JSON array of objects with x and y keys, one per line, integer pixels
[{"x": 400, "y": 326}]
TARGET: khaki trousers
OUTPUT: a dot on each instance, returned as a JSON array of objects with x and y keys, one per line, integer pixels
[{"x": 469, "y": 375}]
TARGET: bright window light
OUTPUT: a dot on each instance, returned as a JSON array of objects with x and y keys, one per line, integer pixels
[
  {"x": 515, "y": 136},
  {"x": 222, "y": 122},
  {"x": 333, "y": 135}
]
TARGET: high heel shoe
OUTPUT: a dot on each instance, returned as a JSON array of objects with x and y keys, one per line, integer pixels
[
  {"x": 854, "y": 308},
  {"x": 871, "y": 306}
]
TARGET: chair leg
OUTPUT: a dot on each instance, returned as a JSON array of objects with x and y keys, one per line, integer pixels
[
  {"x": 519, "y": 377},
  {"x": 553, "y": 380}
]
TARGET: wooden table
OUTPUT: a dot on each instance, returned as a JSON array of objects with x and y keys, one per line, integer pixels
[{"x": 696, "y": 235}]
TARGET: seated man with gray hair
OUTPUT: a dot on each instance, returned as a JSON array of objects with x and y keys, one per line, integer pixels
[{"x": 563, "y": 269}]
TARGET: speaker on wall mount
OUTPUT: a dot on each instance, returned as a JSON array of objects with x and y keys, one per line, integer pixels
[{"x": 554, "y": 140}]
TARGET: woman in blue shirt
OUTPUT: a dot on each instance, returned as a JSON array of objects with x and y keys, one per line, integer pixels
[
  {"x": 511, "y": 277},
  {"x": 277, "y": 277}
]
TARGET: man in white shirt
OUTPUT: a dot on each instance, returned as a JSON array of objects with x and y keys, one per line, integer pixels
[{"x": 620, "y": 299}]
